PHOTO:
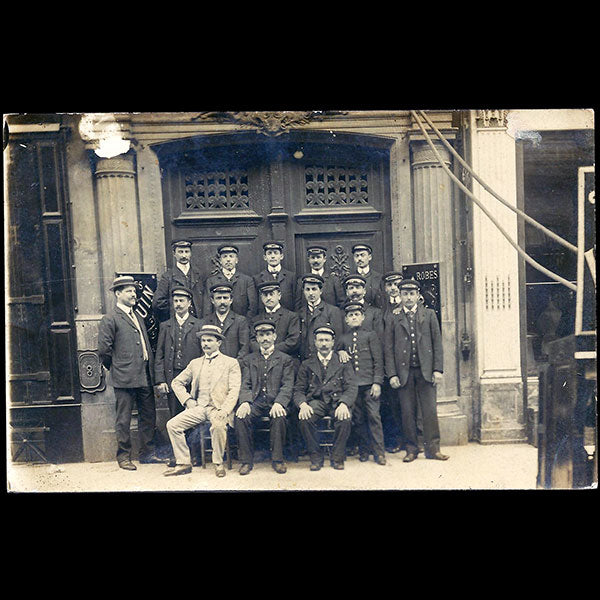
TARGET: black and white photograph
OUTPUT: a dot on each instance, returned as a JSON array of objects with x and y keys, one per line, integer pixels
[{"x": 300, "y": 300}]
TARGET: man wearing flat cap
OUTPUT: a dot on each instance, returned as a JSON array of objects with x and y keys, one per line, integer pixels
[
  {"x": 274, "y": 272},
  {"x": 236, "y": 333},
  {"x": 325, "y": 387},
  {"x": 414, "y": 365},
  {"x": 177, "y": 345},
  {"x": 363, "y": 255},
  {"x": 208, "y": 389},
  {"x": 267, "y": 387},
  {"x": 314, "y": 313},
  {"x": 244, "y": 299},
  {"x": 182, "y": 274},
  {"x": 332, "y": 291},
  {"x": 124, "y": 349}
]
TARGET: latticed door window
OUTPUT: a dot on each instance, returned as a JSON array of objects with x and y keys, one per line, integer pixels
[
  {"x": 217, "y": 190},
  {"x": 335, "y": 186}
]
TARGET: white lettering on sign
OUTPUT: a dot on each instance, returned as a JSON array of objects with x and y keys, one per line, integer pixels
[{"x": 423, "y": 275}]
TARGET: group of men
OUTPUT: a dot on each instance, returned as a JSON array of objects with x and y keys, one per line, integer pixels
[{"x": 236, "y": 351}]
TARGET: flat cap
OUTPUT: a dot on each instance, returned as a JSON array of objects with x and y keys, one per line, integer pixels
[
  {"x": 228, "y": 248},
  {"x": 325, "y": 329},
  {"x": 310, "y": 278},
  {"x": 180, "y": 290}
]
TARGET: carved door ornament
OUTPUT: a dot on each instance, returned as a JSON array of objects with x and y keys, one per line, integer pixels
[
  {"x": 266, "y": 122},
  {"x": 339, "y": 259}
]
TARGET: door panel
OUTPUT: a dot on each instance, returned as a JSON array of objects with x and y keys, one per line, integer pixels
[
  {"x": 299, "y": 189},
  {"x": 43, "y": 353}
]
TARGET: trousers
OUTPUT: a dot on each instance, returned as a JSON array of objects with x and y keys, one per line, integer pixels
[
  {"x": 367, "y": 422},
  {"x": 189, "y": 418},
  {"x": 244, "y": 430},
  {"x": 419, "y": 393},
  {"x": 126, "y": 398},
  {"x": 308, "y": 428}
]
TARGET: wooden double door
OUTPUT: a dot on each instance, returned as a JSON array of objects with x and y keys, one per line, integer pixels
[{"x": 331, "y": 189}]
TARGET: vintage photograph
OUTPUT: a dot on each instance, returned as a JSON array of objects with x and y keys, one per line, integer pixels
[{"x": 314, "y": 300}]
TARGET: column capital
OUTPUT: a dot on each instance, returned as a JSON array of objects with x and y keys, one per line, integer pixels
[
  {"x": 422, "y": 155},
  {"x": 116, "y": 166},
  {"x": 492, "y": 118}
]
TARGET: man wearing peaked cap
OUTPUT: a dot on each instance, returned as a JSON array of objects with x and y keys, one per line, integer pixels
[
  {"x": 267, "y": 386},
  {"x": 125, "y": 351},
  {"x": 177, "y": 345},
  {"x": 182, "y": 274},
  {"x": 314, "y": 313},
  {"x": 273, "y": 254},
  {"x": 414, "y": 364},
  {"x": 362, "y": 255},
  {"x": 333, "y": 294},
  {"x": 286, "y": 322},
  {"x": 244, "y": 299},
  {"x": 325, "y": 387},
  {"x": 236, "y": 333},
  {"x": 208, "y": 388}
]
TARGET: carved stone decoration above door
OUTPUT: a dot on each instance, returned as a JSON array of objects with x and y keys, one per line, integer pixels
[{"x": 270, "y": 123}]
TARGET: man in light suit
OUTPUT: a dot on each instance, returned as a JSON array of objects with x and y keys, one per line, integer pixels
[
  {"x": 214, "y": 382},
  {"x": 414, "y": 364},
  {"x": 124, "y": 349}
]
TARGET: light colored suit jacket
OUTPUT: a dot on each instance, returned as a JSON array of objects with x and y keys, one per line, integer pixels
[{"x": 225, "y": 387}]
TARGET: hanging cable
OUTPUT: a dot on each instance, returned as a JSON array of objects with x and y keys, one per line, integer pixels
[
  {"x": 525, "y": 216},
  {"x": 521, "y": 252}
]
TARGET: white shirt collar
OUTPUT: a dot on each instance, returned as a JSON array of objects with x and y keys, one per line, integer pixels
[
  {"x": 363, "y": 270},
  {"x": 184, "y": 268},
  {"x": 274, "y": 269},
  {"x": 411, "y": 310},
  {"x": 228, "y": 274},
  {"x": 268, "y": 352},
  {"x": 222, "y": 318},
  {"x": 182, "y": 320},
  {"x": 394, "y": 299},
  {"x": 128, "y": 310},
  {"x": 319, "y": 272},
  {"x": 325, "y": 359},
  {"x": 269, "y": 311},
  {"x": 214, "y": 355}
]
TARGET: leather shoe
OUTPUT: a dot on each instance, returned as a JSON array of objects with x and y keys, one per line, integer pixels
[
  {"x": 220, "y": 471},
  {"x": 363, "y": 457},
  {"x": 172, "y": 463},
  {"x": 439, "y": 456},
  {"x": 279, "y": 467},
  {"x": 178, "y": 470},
  {"x": 380, "y": 459},
  {"x": 410, "y": 456},
  {"x": 394, "y": 450},
  {"x": 315, "y": 466},
  {"x": 245, "y": 469},
  {"x": 339, "y": 466},
  {"x": 127, "y": 465}
]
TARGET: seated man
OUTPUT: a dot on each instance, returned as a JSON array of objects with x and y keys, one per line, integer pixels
[
  {"x": 214, "y": 382},
  {"x": 267, "y": 386},
  {"x": 325, "y": 387}
]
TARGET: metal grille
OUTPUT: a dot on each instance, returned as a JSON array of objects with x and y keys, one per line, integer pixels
[
  {"x": 335, "y": 186},
  {"x": 217, "y": 190}
]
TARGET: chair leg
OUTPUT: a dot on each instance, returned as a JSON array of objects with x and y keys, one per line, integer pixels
[{"x": 202, "y": 448}]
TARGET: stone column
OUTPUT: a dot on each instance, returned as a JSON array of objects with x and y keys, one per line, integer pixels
[
  {"x": 118, "y": 217},
  {"x": 499, "y": 410},
  {"x": 433, "y": 209}
]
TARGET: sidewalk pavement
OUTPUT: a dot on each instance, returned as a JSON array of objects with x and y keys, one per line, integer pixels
[{"x": 471, "y": 467}]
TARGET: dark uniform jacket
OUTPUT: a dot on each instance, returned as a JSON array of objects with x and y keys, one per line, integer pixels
[
  {"x": 373, "y": 321},
  {"x": 338, "y": 384},
  {"x": 245, "y": 301},
  {"x": 235, "y": 329},
  {"x": 164, "y": 359},
  {"x": 279, "y": 377},
  {"x": 287, "y": 283},
  {"x": 366, "y": 355},
  {"x": 429, "y": 345},
  {"x": 324, "y": 314},
  {"x": 287, "y": 328},
  {"x": 161, "y": 302},
  {"x": 120, "y": 350},
  {"x": 333, "y": 292}
]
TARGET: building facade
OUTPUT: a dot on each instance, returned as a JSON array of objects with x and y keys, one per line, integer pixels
[{"x": 90, "y": 196}]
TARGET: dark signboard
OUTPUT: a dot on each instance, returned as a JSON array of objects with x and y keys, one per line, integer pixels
[
  {"x": 145, "y": 287},
  {"x": 428, "y": 277}
]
